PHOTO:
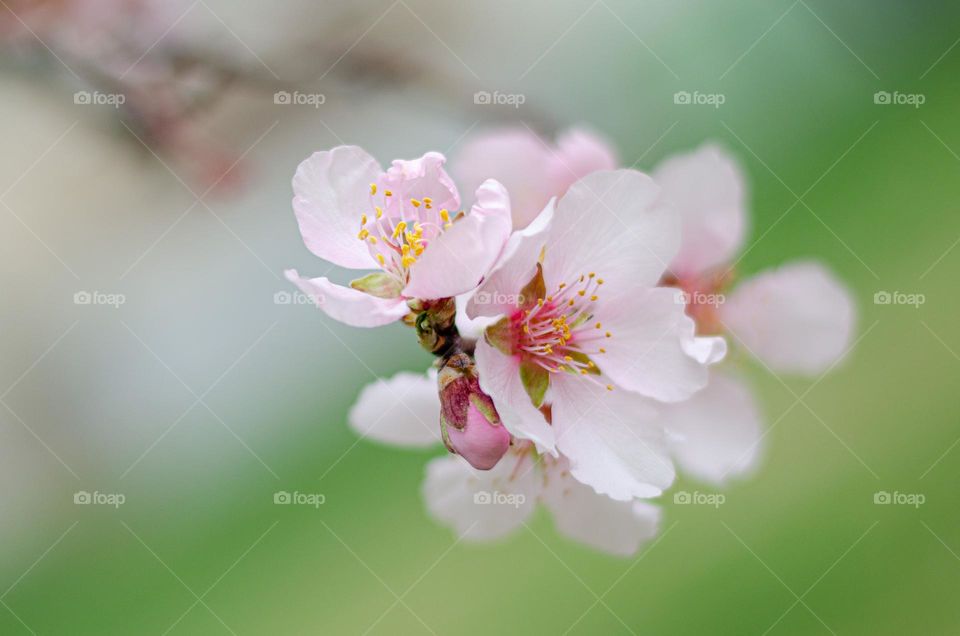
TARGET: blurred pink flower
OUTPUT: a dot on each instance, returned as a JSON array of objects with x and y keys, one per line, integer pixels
[
  {"x": 532, "y": 170},
  {"x": 797, "y": 318},
  {"x": 404, "y": 222}
]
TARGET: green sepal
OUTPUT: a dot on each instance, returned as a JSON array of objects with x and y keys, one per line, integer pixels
[
  {"x": 535, "y": 381},
  {"x": 500, "y": 335},
  {"x": 379, "y": 284},
  {"x": 533, "y": 290}
]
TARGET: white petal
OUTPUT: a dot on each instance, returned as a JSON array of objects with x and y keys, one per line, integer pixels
[
  {"x": 348, "y": 305},
  {"x": 402, "y": 410},
  {"x": 498, "y": 293},
  {"x": 331, "y": 190},
  {"x": 456, "y": 261},
  {"x": 716, "y": 434},
  {"x": 706, "y": 349},
  {"x": 651, "y": 344},
  {"x": 612, "y": 223},
  {"x": 611, "y": 438},
  {"x": 615, "y": 527},
  {"x": 500, "y": 379},
  {"x": 706, "y": 187},
  {"x": 481, "y": 505},
  {"x": 796, "y": 319}
]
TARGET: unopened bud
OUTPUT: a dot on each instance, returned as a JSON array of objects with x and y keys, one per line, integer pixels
[{"x": 469, "y": 421}]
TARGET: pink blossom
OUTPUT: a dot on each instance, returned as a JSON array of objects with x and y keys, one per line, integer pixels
[
  {"x": 583, "y": 330},
  {"x": 404, "y": 222}
]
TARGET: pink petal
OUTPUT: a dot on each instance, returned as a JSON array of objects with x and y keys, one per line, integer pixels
[
  {"x": 500, "y": 379},
  {"x": 717, "y": 432},
  {"x": 456, "y": 260},
  {"x": 579, "y": 152},
  {"x": 651, "y": 343},
  {"x": 403, "y": 410},
  {"x": 348, "y": 305},
  {"x": 796, "y": 319},
  {"x": 498, "y": 293},
  {"x": 515, "y": 157},
  {"x": 611, "y": 438},
  {"x": 615, "y": 527},
  {"x": 611, "y": 223},
  {"x": 331, "y": 191},
  {"x": 422, "y": 178},
  {"x": 706, "y": 187}
]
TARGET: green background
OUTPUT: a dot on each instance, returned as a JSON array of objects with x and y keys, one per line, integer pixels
[{"x": 799, "y": 114}]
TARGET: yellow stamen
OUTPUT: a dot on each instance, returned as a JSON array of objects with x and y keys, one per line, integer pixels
[
  {"x": 445, "y": 215},
  {"x": 598, "y": 325},
  {"x": 401, "y": 226},
  {"x": 373, "y": 240},
  {"x": 380, "y": 260},
  {"x": 608, "y": 334},
  {"x": 364, "y": 233},
  {"x": 373, "y": 188},
  {"x": 379, "y": 211},
  {"x": 609, "y": 387},
  {"x": 602, "y": 350},
  {"x": 599, "y": 281},
  {"x": 387, "y": 193},
  {"x": 594, "y": 297},
  {"x": 363, "y": 220},
  {"x": 415, "y": 203}
]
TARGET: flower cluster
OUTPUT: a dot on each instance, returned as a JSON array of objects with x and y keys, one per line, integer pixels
[{"x": 575, "y": 312}]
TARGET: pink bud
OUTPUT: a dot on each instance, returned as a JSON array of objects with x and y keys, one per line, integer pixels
[{"x": 470, "y": 424}]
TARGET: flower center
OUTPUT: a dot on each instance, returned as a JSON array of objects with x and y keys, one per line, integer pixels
[
  {"x": 397, "y": 231},
  {"x": 558, "y": 332}
]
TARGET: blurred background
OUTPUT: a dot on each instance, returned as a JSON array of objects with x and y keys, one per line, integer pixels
[{"x": 146, "y": 354}]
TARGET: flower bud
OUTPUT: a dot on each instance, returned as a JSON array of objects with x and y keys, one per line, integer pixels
[{"x": 468, "y": 419}]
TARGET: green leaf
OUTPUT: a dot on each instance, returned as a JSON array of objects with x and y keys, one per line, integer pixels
[
  {"x": 535, "y": 381},
  {"x": 379, "y": 284},
  {"x": 500, "y": 335}
]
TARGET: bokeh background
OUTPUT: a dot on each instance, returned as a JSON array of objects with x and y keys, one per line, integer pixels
[{"x": 200, "y": 396}]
